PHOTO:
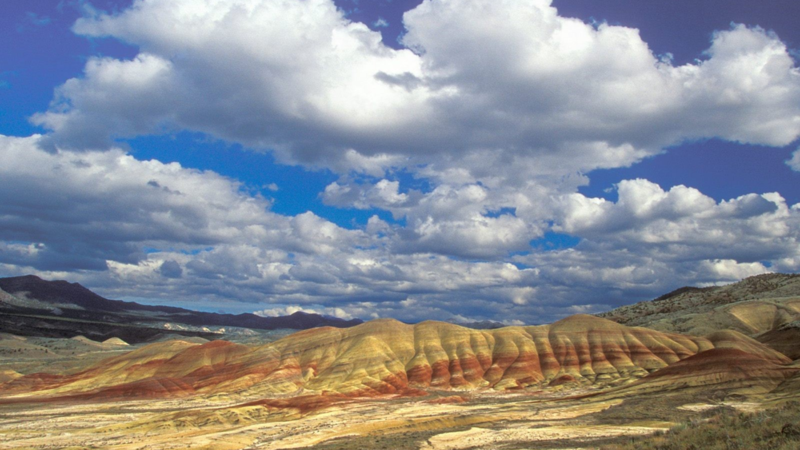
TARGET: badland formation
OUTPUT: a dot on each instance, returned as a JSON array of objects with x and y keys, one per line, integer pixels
[{"x": 79, "y": 371}]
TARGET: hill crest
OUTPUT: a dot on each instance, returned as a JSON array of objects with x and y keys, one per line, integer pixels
[{"x": 389, "y": 357}]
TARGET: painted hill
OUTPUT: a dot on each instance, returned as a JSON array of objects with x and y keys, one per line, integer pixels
[
  {"x": 115, "y": 342},
  {"x": 737, "y": 364},
  {"x": 766, "y": 307},
  {"x": 389, "y": 357},
  {"x": 719, "y": 368},
  {"x": 91, "y": 314}
]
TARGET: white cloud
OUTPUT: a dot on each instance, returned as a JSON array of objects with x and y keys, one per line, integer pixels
[
  {"x": 466, "y": 220},
  {"x": 154, "y": 230},
  {"x": 499, "y": 109},
  {"x": 507, "y": 75},
  {"x": 291, "y": 309},
  {"x": 232, "y": 69},
  {"x": 83, "y": 209},
  {"x": 730, "y": 270},
  {"x": 684, "y": 223},
  {"x": 794, "y": 161},
  {"x": 504, "y": 98},
  {"x": 384, "y": 194}
]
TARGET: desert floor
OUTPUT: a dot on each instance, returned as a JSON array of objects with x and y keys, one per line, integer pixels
[{"x": 442, "y": 420}]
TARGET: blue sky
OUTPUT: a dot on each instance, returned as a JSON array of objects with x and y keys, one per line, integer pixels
[{"x": 514, "y": 160}]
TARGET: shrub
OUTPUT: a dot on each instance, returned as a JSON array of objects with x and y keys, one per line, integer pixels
[{"x": 726, "y": 429}]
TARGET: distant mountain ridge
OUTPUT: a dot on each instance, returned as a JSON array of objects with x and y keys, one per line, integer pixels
[
  {"x": 60, "y": 291},
  {"x": 61, "y": 299}
]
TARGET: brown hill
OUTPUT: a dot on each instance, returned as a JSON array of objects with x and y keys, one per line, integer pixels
[
  {"x": 785, "y": 339},
  {"x": 735, "y": 366},
  {"x": 115, "y": 341},
  {"x": 766, "y": 307},
  {"x": 7, "y": 375},
  {"x": 722, "y": 367},
  {"x": 389, "y": 357}
]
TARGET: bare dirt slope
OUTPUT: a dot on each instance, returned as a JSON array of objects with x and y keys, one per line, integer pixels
[{"x": 388, "y": 357}]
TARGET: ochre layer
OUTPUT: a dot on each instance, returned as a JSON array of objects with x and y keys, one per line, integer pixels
[{"x": 387, "y": 357}]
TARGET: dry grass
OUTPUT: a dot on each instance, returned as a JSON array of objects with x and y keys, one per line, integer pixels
[{"x": 727, "y": 429}]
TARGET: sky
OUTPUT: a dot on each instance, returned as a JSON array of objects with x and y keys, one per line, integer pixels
[{"x": 462, "y": 160}]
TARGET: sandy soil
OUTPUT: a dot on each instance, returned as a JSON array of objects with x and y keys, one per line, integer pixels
[{"x": 484, "y": 421}]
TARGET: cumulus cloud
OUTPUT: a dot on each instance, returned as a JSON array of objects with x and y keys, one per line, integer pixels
[
  {"x": 456, "y": 221},
  {"x": 510, "y": 75},
  {"x": 384, "y": 194},
  {"x": 239, "y": 77},
  {"x": 497, "y": 111},
  {"x": 144, "y": 229},
  {"x": 500, "y": 105},
  {"x": 728, "y": 269},
  {"x": 362, "y": 283},
  {"x": 80, "y": 210},
  {"x": 794, "y": 161},
  {"x": 684, "y": 223},
  {"x": 468, "y": 220},
  {"x": 291, "y": 309},
  {"x": 171, "y": 269}
]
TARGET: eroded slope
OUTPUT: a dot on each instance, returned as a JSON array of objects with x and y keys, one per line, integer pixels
[{"x": 387, "y": 357}]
